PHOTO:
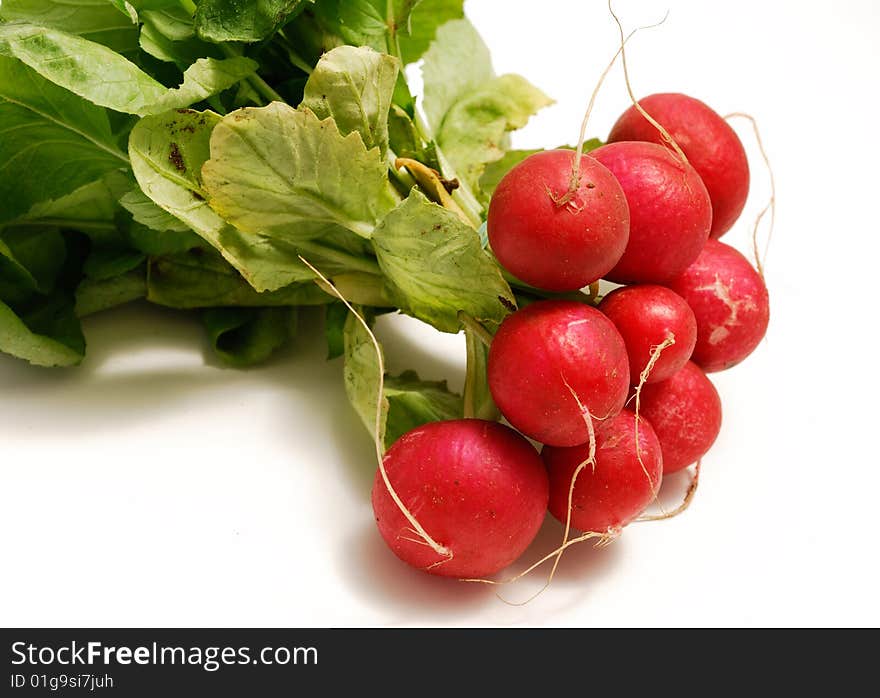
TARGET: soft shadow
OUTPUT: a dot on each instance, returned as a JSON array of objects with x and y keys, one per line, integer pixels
[
  {"x": 580, "y": 567},
  {"x": 376, "y": 572},
  {"x": 579, "y": 562},
  {"x": 409, "y": 595}
]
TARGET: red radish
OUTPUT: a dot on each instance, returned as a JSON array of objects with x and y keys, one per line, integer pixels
[
  {"x": 614, "y": 492},
  {"x": 546, "y": 351},
  {"x": 646, "y": 316},
  {"x": 731, "y": 304},
  {"x": 685, "y": 412},
  {"x": 549, "y": 242},
  {"x": 477, "y": 487},
  {"x": 708, "y": 142},
  {"x": 669, "y": 207}
]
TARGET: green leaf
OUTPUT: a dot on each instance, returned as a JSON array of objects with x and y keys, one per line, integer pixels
[
  {"x": 413, "y": 402},
  {"x": 158, "y": 243},
  {"x": 426, "y": 18},
  {"x": 31, "y": 257},
  {"x": 436, "y": 266},
  {"x": 60, "y": 143},
  {"x": 106, "y": 263},
  {"x": 354, "y": 86},
  {"x": 263, "y": 175},
  {"x": 146, "y": 212},
  {"x": 95, "y": 20},
  {"x": 457, "y": 64},
  {"x": 335, "y": 315},
  {"x": 469, "y": 109},
  {"x": 167, "y": 153},
  {"x": 107, "y": 79},
  {"x": 93, "y": 203},
  {"x": 244, "y": 20},
  {"x": 94, "y": 296},
  {"x": 375, "y": 23},
  {"x": 169, "y": 34},
  {"x": 48, "y": 334},
  {"x": 201, "y": 279},
  {"x": 361, "y": 377},
  {"x": 248, "y": 336},
  {"x": 407, "y": 402},
  {"x": 92, "y": 210}
]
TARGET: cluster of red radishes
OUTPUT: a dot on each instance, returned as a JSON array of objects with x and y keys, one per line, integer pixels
[{"x": 644, "y": 210}]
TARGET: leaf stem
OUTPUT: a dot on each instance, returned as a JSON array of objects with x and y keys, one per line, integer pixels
[
  {"x": 264, "y": 89},
  {"x": 254, "y": 80},
  {"x": 477, "y": 399},
  {"x": 292, "y": 55},
  {"x": 475, "y": 326},
  {"x": 463, "y": 196}
]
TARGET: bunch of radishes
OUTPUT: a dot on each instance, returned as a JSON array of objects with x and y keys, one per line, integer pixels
[{"x": 616, "y": 391}]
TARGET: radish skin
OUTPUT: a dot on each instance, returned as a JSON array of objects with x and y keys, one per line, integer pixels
[
  {"x": 731, "y": 305},
  {"x": 544, "y": 353},
  {"x": 670, "y": 211},
  {"x": 685, "y": 412},
  {"x": 613, "y": 493},
  {"x": 479, "y": 488},
  {"x": 646, "y": 316},
  {"x": 707, "y": 140},
  {"x": 553, "y": 245}
]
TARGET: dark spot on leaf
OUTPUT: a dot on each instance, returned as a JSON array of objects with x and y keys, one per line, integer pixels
[
  {"x": 438, "y": 226},
  {"x": 184, "y": 111},
  {"x": 197, "y": 196},
  {"x": 507, "y": 303},
  {"x": 176, "y": 158}
]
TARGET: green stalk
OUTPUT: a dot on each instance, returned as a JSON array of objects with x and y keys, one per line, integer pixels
[
  {"x": 255, "y": 81},
  {"x": 478, "y": 403},
  {"x": 295, "y": 59},
  {"x": 473, "y": 325},
  {"x": 463, "y": 196}
]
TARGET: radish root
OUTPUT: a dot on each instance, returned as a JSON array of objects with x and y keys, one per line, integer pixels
[
  {"x": 575, "y": 179},
  {"x": 417, "y": 528},
  {"x": 604, "y": 539},
  {"x": 770, "y": 208},
  {"x": 686, "y": 502},
  {"x": 591, "y": 461},
  {"x": 663, "y": 132},
  {"x": 643, "y": 379}
]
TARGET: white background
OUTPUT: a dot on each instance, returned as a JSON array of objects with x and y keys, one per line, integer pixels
[{"x": 152, "y": 487}]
